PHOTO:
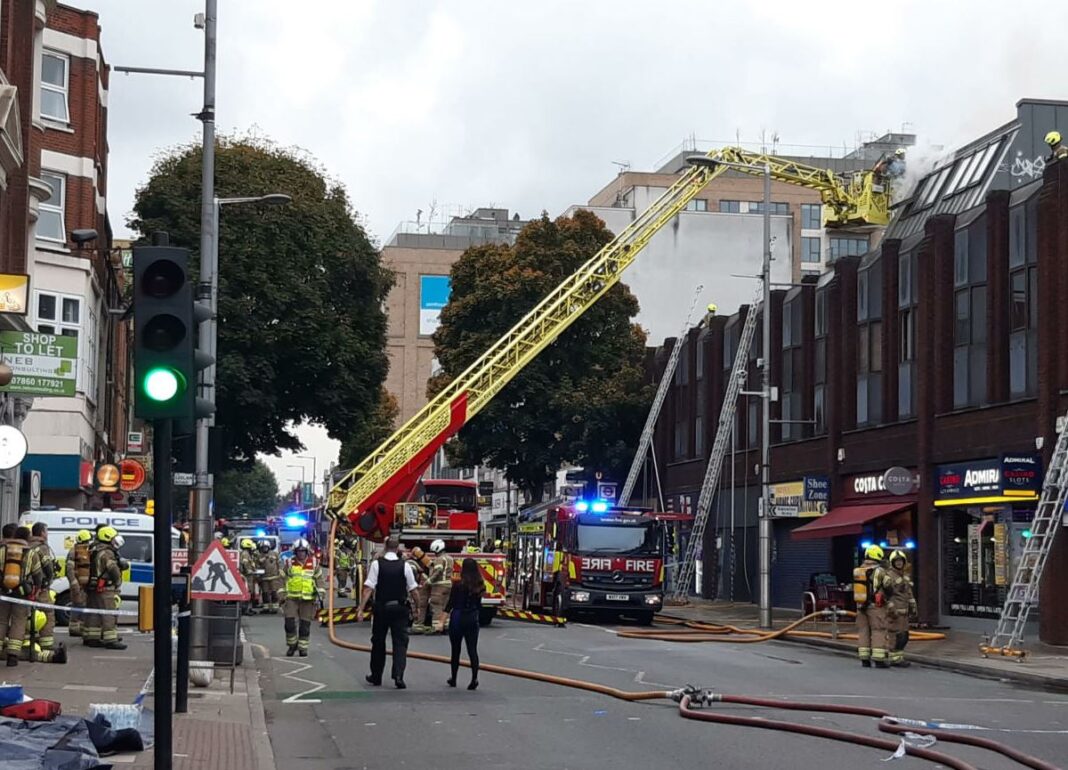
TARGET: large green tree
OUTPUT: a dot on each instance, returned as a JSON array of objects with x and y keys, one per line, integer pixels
[
  {"x": 367, "y": 435},
  {"x": 582, "y": 400},
  {"x": 301, "y": 291},
  {"x": 246, "y": 492}
]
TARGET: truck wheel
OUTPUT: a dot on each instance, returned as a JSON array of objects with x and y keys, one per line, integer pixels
[
  {"x": 486, "y": 615},
  {"x": 645, "y": 618}
]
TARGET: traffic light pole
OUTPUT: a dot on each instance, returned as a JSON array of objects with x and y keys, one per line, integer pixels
[
  {"x": 203, "y": 525},
  {"x": 162, "y": 491}
]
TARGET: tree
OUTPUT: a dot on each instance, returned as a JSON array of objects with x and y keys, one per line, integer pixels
[
  {"x": 373, "y": 431},
  {"x": 582, "y": 400},
  {"x": 301, "y": 291},
  {"x": 248, "y": 492}
]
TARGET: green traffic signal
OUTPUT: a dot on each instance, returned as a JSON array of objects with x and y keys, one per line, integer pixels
[{"x": 162, "y": 384}]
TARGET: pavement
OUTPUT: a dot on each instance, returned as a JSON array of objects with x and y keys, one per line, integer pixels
[
  {"x": 1044, "y": 666},
  {"x": 321, "y": 715},
  {"x": 220, "y": 730}
]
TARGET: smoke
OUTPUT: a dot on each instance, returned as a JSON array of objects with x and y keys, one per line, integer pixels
[{"x": 920, "y": 160}]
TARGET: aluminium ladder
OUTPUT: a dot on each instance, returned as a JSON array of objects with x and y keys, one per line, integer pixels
[
  {"x": 1023, "y": 591},
  {"x": 646, "y": 439},
  {"x": 681, "y": 581}
]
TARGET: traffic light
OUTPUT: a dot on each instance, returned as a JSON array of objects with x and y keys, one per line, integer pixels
[{"x": 165, "y": 319}]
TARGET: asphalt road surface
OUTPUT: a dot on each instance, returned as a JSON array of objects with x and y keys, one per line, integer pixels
[{"x": 321, "y": 715}]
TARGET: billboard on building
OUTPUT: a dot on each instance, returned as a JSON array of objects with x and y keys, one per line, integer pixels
[
  {"x": 433, "y": 294},
  {"x": 43, "y": 364}
]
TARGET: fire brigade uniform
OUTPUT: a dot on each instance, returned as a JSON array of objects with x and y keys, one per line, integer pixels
[
  {"x": 270, "y": 582},
  {"x": 302, "y": 582},
  {"x": 247, "y": 566},
  {"x": 900, "y": 606},
  {"x": 421, "y": 567},
  {"x": 21, "y": 580},
  {"x": 440, "y": 582},
  {"x": 105, "y": 580},
  {"x": 77, "y": 590},
  {"x": 871, "y": 609},
  {"x": 49, "y": 571},
  {"x": 36, "y": 653}
]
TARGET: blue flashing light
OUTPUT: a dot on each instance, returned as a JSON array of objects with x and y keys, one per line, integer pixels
[
  {"x": 600, "y": 506},
  {"x": 884, "y": 544},
  {"x": 261, "y": 532},
  {"x": 296, "y": 522},
  {"x": 1026, "y": 534},
  {"x": 582, "y": 506},
  {"x": 910, "y": 544},
  {"x": 865, "y": 544}
]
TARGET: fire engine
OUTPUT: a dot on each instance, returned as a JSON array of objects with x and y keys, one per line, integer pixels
[
  {"x": 447, "y": 510},
  {"x": 591, "y": 555}
]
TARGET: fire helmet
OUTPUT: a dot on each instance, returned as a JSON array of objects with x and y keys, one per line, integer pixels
[
  {"x": 437, "y": 546},
  {"x": 874, "y": 552}
]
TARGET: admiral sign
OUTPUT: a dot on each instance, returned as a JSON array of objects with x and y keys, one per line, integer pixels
[{"x": 1006, "y": 479}]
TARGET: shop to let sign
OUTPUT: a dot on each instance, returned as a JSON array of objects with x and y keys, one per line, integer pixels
[{"x": 43, "y": 364}]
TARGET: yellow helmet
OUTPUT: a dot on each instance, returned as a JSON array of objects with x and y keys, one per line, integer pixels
[
  {"x": 225, "y": 542},
  {"x": 247, "y": 544},
  {"x": 107, "y": 534},
  {"x": 1053, "y": 138},
  {"x": 84, "y": 536},
  {"x": 898, "y": 554},
  {"x": 39, "y": 621},
  {"x": 874, "y": 552},
  {"x": 51, "y": 596}
]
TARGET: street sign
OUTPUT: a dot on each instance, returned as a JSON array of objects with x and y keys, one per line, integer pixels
[
  {"x": 215, "y": 577},
  {"x": 135, "y": 442},
  {"x": 107, "y": 478},
  {"x": 131, "y": 475},
  {"x": 44, "y": 364},
  {"x": 35, "y": 491},
  {"x": 183, "y": 479}
]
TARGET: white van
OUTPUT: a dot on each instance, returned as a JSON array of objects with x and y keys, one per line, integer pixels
[{"x": 136, "y": 529}]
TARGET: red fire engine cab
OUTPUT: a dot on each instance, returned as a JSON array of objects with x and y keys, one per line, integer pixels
[{"x": 590, "y": 555}]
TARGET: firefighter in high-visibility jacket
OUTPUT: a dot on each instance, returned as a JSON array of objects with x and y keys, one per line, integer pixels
[
  {"x": 77, "y": 570},
  {"x": 21, "y": 580},
  {"x": 302, "y": 575},
  {"x": 50, "y": 570},
  {"x": 868, "y": 580},
  {"x": 900, "y": 606},
  {"x": 105, "y": 580},
  {"x": 247, "y": 567},
  {"x": 343, "y": 566}
]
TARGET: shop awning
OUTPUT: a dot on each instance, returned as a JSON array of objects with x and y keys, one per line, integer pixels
[{"x": 845, "y": 520}]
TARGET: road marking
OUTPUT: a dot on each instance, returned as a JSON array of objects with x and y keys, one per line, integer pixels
[
  {"x": 582, "y": 659},
  {"x": 315, "y": 686},
  {"x": 265, "y": 651},
  {"x": 640, "y": 679},
  {"x": 370, "y": 724},
  {"x": 123, "y": 759},
  {"x": 634, "y": 719},
  {"x": 902, "y": 697},
  {"x": 89, "y": 688}
]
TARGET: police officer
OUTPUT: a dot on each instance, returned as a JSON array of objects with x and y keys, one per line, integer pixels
[
  {"x": 77, "y": 570},
  {"x": 868, "y": 579},
  {"x": 440, "y": 582},
  {"x": 303, "y": 575},
  {"x": 900, "y": 606},
  {"x": 247, "y": 565},
  {"x": 105, "y": 581},
  {"x": 271, "y": 578},
  {"x": 21, "y": 580},
  {"x": 49, "y": 572},
  {"x": 392, "y": 581}
]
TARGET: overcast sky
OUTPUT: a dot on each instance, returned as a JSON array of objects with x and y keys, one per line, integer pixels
[{"x": 526, "y": 104}]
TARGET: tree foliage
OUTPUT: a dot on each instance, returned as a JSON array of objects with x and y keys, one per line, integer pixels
[
  {"x": 367, "y": 435},
  {"x": 301, "y": 291},
  {"x": 583, "y": 399},
  {"x": 246, "y": 492}
]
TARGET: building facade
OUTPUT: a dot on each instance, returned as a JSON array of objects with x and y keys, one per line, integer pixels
[{"x": 919, "y": 384}]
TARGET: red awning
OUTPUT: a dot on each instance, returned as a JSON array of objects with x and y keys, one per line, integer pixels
[{"x": 845, "y": 520}]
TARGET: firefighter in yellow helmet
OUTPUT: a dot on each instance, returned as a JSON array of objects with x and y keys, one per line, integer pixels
[
  {"x": 1057, "y": 150},
  {"x": 105, "y": 580},
  {"x": 32, "y": 651},
  {"x": 247, "y": 567},
  {"x": 50, "y": 570},
  {"x": 77, "y": 569},
  {"x": 900, "y": 606},
  {"x": 871, "y": 608},
  {"x": 22, "y": 579}
]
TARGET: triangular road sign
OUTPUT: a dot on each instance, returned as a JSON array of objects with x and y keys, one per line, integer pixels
[{"x": 214, "y": 577}]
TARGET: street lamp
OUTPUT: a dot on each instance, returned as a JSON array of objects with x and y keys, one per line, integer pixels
[{"x": 315, "y": 468}]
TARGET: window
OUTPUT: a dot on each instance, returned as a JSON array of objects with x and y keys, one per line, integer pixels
[
  {"x": 811, "y": 250},
  {"x": 682, "y": 367},
  {"x": 757, "y": 207},
  {"x": 848, "y": 247},
  {"x": 92, "y": 357},
  {"x": 730, "y": 207},
  {"x": 753, "y": 422},
  {"x": 697, "y": 204},
  {"x": 870, "y": 344},
  {"x": 699, "y": 436},
  {"x": 51, "y": 221},
  {"x": 699, "y": 373},
  {"x": 59, "y": 314},
  {"x": 907, "y": 292},
  {"x": 820, "y": 373},
  {"x": 1023, "y": 299},
  {"x": 792, "y": 368},
  {"x": 969, "y": 315},
  {"x": 682, "y": 439},
  {"x": 811, "y": 216},
  {"x": 55, "y": 72}
]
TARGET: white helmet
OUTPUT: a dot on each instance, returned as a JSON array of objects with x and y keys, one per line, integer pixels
[
  {"x": 301, "y": 543},
  {"x": 437, "y": 546}
]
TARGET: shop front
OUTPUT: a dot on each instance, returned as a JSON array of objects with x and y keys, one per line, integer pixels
[
  {"x": 986, "y": 509},
  {"x": 797, "y": 565}
]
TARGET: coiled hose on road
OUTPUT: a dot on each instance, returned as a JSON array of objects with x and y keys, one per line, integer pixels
[
  {"x": 688, "y": 698},
  {"x": 698, "y": 631}
]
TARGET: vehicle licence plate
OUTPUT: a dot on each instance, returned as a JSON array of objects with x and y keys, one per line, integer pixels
[{"x": 618, "y": 597}]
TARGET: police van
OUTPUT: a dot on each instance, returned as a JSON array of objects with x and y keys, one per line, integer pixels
[{"x": 137, "y": 532}]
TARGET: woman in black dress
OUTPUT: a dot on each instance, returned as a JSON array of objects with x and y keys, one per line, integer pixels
[{"x": 465, "y": 602}]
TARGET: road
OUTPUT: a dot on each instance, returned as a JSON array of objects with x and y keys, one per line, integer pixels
[{"x": 322, "y": 716}]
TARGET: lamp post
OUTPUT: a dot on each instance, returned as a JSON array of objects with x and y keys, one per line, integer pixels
[{"x": 315, "y": 469}]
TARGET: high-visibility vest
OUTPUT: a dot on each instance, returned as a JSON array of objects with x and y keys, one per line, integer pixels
[{"x": 300, "y": 581}]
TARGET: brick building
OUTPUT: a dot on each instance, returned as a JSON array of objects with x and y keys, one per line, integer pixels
[{"x": 944, "y": 353}]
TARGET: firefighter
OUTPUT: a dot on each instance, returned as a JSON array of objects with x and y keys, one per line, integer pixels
[
  {"x": 871, "y": 608},
  {"x": 50, "y": 570},
  {"x": 440, "y": 582},
  {"x": 342, "y": 566},
  {"x": 21, "y": 580},
  {"x": 900, "y": 606},
  {"x": 34, "y": 652},
  {"x": 271, "y": 578},
  {"x": 247, "y": 566},
  {"x": 303, "y": 575},
  {"x": 105, "y": 581},
  {"x": 77, "y": 569},
  {"x": 421, "y": 598},
  {"x": 1057, "y": 150}
]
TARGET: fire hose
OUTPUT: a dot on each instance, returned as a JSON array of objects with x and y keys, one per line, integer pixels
[
  {"x": 697, "y": 631},
  {"x": 692, "y": 702}
]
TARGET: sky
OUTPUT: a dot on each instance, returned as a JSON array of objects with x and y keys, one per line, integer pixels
[{"x": 450, "y": 104}]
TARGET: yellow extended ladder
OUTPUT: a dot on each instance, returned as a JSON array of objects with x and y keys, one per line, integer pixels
[{"x": 367, "y": 493}]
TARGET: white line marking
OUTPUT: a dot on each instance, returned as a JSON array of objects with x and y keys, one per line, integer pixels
[
  {"x": 123, "y": 759},
  {"x": 370, "y": 724},
  {"x": 89, "y": 688},
  {"x": 315, "y": 686},
  {"x": 640, "y": 679}
]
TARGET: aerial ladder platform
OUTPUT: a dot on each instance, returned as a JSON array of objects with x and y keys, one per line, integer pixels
[{"x": 364, "y": 497}]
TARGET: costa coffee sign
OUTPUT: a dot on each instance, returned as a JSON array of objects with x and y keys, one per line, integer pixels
[{"x": 894, "y": 481}]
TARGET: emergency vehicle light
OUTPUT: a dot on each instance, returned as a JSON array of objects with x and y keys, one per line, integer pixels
[
  {"x": 865, "y": 544},
  {"x": 296, "y": 521},
  {"x": 600, "y": 506},
  {"x": 1026, "y": 534},
  {"x": 581, "y": 506},
  {"x": 910, "y": 544},
  {"x": 261, "y": 533}
]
